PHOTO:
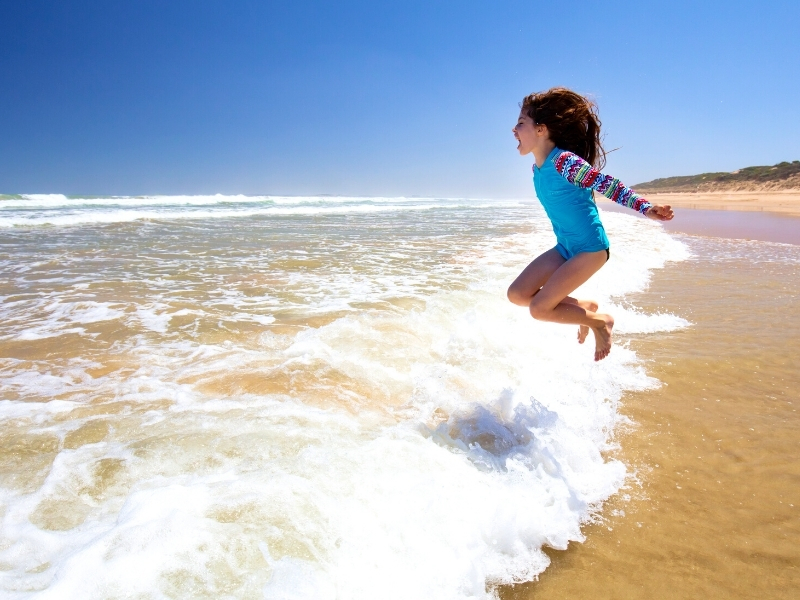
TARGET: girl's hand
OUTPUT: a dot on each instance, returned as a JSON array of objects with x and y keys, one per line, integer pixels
[{"x": 659, "y": 213}]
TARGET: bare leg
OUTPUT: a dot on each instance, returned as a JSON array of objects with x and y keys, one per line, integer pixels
[
  {"x": 534, "y": 276},
  {"x": 549, "y": 303},
  {"x": 588, "y": 305}
]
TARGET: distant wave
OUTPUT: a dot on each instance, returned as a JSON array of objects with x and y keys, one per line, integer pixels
[
  {"x": 58, "y": 210},
  {"x": 61, "y": 201}
]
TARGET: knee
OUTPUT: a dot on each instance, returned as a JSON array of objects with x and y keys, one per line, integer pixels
[
  {"x": 538, "y": 311},
  {"x": 515, "y": 297},
  {"x": 593, "y": 306}
]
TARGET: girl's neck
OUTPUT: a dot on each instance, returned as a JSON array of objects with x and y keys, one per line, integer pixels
[{"x": 542, "y": 150}]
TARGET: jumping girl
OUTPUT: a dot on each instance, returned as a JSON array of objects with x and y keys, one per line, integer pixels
[{"x": 562, "y": 130}]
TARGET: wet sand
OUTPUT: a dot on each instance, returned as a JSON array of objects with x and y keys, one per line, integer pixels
[{"x": 714, "y": 508}]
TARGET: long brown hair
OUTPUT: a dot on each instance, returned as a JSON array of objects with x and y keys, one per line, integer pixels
[{"x": 571, "y": 120}]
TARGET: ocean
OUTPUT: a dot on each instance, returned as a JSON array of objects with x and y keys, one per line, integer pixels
[{"x": 302, "y": 397}]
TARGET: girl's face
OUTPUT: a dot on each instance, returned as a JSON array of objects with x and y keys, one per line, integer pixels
[{"x": 528, "y": 134}]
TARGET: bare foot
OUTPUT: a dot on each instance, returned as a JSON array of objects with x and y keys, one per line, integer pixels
[
  {"x": 583, "y": 330},
  {"x": 602, "y": 337}
]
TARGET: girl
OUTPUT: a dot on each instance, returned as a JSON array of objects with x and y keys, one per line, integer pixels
[{"x": 562, "y": 130}]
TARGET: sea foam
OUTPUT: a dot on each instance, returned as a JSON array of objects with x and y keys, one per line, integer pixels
[{"x": 422, "y": 438}]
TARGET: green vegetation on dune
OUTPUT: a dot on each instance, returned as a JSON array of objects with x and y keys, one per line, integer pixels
[{"x": 785, "y": 175}]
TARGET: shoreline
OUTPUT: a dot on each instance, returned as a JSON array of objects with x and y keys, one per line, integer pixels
[{"x": 710, "y": 510}]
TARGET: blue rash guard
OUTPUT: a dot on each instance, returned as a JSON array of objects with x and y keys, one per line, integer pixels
[{"x": 564, "y": 185}]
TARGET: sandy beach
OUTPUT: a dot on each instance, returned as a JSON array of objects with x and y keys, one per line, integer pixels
[
  {"x": 713, "y": 510},
  {"x": 764, "y": 216},
  {"x": 782, "y": 202}
]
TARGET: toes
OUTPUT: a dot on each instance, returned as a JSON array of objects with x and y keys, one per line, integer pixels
[{"x": 601, "y": 354}]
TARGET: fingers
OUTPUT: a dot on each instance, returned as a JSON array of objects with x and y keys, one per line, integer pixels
[
  {"x": 664, "y": 212},
  {"x": 661, "y": 213}
]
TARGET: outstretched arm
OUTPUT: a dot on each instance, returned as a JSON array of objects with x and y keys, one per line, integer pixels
[{"x": 581, "y": 174}]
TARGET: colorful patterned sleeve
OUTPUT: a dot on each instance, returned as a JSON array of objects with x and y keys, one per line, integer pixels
[{"x": 580, "y": 173}]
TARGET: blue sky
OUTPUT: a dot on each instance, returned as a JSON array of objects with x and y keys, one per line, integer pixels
[{"x": 380, "y": 98}]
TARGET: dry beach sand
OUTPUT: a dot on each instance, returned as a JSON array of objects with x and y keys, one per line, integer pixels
[
  {"x": 785, "y": 202},
  {"x": 766, "y": 216}
]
